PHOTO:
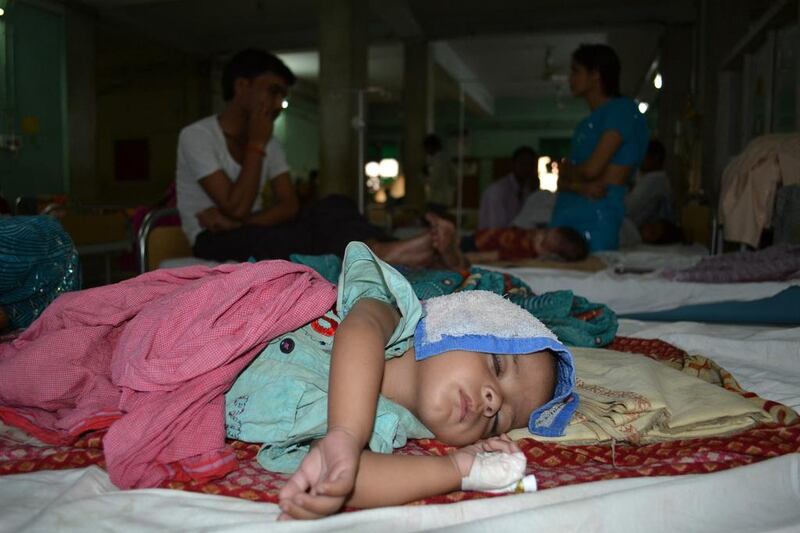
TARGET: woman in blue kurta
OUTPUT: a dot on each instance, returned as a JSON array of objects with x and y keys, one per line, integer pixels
[{"x": 607, "y": 147}]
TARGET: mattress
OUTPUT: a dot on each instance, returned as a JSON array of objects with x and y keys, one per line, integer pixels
[
  {"x": 632, "y": 285},
  {"x": 764, "y": 496}
]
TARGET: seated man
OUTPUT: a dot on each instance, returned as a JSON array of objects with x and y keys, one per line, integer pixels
[
  {"x": 503, "y": 199},
  {"x": 224, "y": 161},
  {"x": 649, "y": 203},
  {"x": 439, "y": 176}
]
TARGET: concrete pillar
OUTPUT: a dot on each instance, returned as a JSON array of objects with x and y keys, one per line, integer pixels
[
  {"x": 81, "y": 106},
  {"x": 417, "y": 115},
  {"x": 676, "y": 72},
  {"x": 722, "y": 23},
  {"x": 343, "y": 72}
]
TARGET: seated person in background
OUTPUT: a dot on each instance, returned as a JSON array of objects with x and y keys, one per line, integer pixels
[
  {"x": 225, "y": 161},
  {"x": 503, "y": 199},
  {"x": 649, "y": 204},
  {"x": 537, "y": 210},
  {"x": 439, "y": 176}
]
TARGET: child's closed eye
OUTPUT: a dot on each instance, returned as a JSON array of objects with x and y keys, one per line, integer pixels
[{"x": 497, "y": 364}]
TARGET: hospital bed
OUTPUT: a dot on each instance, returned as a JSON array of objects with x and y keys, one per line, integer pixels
[
  {"x": 759, "y": 497},
  {"x": 632, "y": 285}
]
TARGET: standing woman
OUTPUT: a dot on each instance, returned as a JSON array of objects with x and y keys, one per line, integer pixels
[{"x": 607, "y": 147}]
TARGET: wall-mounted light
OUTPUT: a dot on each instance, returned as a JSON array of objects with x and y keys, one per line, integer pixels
[
  {"x": 657, "y": 81},
  {"x": 2, "y": 11},
  {"x": 372, "y": 169},
  {"x": 285, "y": 104},
  {"x": 389, "y": 168},
  {"x": 643, "y": 107}
]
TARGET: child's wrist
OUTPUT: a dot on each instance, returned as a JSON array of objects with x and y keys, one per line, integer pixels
[
  {"x": 350, "y": 432},
  {"x": 462, "y": 463}
]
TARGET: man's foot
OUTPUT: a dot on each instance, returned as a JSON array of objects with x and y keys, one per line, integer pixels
[{"x": 445, "y": 242}]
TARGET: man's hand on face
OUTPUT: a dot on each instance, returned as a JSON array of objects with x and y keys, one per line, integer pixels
[
  {"x": 267, "y": 93},
  {"x": 262, "y": 119}
]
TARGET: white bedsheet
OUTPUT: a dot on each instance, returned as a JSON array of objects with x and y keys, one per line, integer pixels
[
  {"x": 642, "y": 293},
  {"x": 761, "y": 497}
]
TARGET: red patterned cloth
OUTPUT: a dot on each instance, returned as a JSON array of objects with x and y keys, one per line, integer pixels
[
  {"x": 161, "y": 348},
  {"x": 511, "y": 243},
  {"x": 553, "y": 464}
]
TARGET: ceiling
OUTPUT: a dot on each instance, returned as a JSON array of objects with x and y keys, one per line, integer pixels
[{"x": 500, "y": 49}]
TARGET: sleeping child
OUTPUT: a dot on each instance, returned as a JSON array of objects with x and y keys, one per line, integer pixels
[
  {"x": 520, "y": 243},
  {"x": 383, "y": 367},
  {"x": 503, "y": 244}
]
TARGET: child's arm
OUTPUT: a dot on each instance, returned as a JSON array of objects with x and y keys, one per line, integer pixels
[
  {"x": 329, "y": 471},
  {"x": 385, "y": 479}
]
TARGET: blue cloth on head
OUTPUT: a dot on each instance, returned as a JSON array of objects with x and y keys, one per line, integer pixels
[{"x": 482, "y": 321}]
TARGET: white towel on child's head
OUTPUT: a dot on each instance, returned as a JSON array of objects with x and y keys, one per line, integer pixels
[
  {"x": 481, "y": 313},
  {"x": 482, "y": 321}
]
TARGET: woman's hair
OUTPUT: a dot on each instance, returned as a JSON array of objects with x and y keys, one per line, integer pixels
[
  {"x": 249, "y": 64},
  {"x": 603, "y": 59}
]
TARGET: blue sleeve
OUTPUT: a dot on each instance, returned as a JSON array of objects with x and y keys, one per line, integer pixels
[
  {"x": 623, "y": 116},
  {"x": 620, "y": 115},
  {"x": 364, "y": 275}
]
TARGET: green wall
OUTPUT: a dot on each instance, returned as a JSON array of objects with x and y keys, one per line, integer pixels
[
  {"x": 298, "y": 130},
  {"x": 34, "y": 94}
]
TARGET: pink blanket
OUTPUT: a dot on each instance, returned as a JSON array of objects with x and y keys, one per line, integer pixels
[{"x": 152, "y": 358}]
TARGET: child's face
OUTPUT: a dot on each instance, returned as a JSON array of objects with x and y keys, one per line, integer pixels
[
  {"x": 466, "y": 396},
  {"x": 545, "y": 241}
]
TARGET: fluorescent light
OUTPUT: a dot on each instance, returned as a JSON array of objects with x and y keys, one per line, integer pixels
[
  {"x": 657, "y": 81},
  {"x": 643, "y": 107},
  {"x": 372, "y": 169},
  {"x": 548, "y": 180},
  {"x": 389, "y": 168}
]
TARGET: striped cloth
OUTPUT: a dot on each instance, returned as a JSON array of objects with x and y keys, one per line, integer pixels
[
  {"x": 777, "y": 263},
  {"x": 38, "y": 261}
]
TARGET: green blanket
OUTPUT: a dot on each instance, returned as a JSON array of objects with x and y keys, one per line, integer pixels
[{"x": 575, "y": 320}]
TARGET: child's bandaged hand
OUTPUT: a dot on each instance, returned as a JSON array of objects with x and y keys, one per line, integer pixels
[
  {"x": 324, "y": 479},
  {"x": 490, "y": 464}
]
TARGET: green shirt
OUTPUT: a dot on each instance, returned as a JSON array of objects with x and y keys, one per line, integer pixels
[{"x": 281, "y": 398}]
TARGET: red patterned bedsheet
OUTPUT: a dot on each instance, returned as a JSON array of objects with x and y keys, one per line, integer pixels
[{"x": 554, "y": 465}]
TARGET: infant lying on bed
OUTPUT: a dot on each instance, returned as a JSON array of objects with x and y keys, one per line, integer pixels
[{"x": 383, "y": 367}]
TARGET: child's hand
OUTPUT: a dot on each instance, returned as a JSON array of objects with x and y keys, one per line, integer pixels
[
  {"x": 325, "y": 478},
  {"x": 464, "y": 457}
]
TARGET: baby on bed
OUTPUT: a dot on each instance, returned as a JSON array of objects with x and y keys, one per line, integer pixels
[{"x": 383, "y": 367}]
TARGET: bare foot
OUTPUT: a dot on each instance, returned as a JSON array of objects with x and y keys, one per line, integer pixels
[
  {"x": 445, "y": 242},
  {"x": 415, "y": 252}
]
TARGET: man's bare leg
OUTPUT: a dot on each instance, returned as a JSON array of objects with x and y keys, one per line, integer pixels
[
  {"x": 416, "y": 252},
  {"x": 445, "y": 242}
]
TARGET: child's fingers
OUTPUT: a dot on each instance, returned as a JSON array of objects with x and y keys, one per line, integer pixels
[
  {"x": 337, "y": 484},
  {"x": 297, "y": 512},
  {"x": 318, "y": 505},
  {"x": 497, "y": 444},
  {"x": 297, "y": 484}
]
